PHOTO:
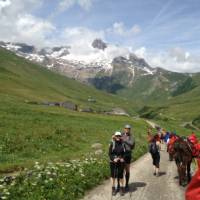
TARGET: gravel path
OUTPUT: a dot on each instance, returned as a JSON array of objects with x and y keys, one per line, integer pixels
[{"x": 143, "y": 185}]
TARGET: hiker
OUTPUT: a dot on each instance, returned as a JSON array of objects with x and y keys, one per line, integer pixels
[
  {"x": 129, "y": 143},
  {"x": 193, "y": 189},
  {"x": 149, "y": 135},
  {"x": 193, "y": 138},
  {"x": 117, "y": 152},
  {"x": 166, "y": 138},
  {"x": 171, "y": 141},
  {"x": 154, "y": 149}
]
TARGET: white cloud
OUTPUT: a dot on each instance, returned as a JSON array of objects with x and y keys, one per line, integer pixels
[
  {"x": 119, "y": 28},
  {"x": 141, "y": 52},
  {"x": 17, "y": 25},
  {"x": 4, "y": 4},
  {"x": 80, "y": 40},
  {"x": 66, "y": 4},
  {"x": 81, "y": 35},
  {"x": 175, "y": 59}
]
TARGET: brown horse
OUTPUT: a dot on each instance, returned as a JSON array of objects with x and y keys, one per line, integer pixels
[{"x": 182, "y": 150}]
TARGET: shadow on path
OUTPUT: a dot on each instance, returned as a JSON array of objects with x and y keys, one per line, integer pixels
[
  {"x": 162, "y": 173},
  {"x": 133, "y": 186}
]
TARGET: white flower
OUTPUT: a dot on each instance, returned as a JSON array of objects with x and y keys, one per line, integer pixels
[{"x": 1, "y": 186}]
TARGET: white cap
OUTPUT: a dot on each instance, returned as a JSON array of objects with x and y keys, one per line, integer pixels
[
  {"x": 127, "y": 126},
  {"x": 117, "y": 133}
]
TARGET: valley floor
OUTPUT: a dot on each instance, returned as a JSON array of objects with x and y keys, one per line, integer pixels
[{"x": 145, "y": 186}]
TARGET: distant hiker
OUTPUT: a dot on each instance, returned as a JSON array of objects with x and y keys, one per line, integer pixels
[
  {"x": 154, "y": 149},
  {"x": 129, "y": 143},
  {"x": 162, "y": 137},
  {"x": 171, "y": 141},
  {"x": 166, "y": 137},
  {"x": 193, "y": 138},
  {"x": 117, "y": 151},
  {"x": 149, "y": 135}
]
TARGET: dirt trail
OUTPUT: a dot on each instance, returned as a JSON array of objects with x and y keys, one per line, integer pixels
[
  {"x": 143, "y": 185},
  {"x": 152, "y": 124}
]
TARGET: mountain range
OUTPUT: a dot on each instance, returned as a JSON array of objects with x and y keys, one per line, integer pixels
[{"x": 110, "y": 68}]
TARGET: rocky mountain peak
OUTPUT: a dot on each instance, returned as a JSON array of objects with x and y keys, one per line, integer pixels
[
  {"x": 139, "y": 62},
  {"x": 99, "y": 44}
]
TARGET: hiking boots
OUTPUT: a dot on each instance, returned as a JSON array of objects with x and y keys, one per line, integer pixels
[
  {"x": 127, "y": 188},
  {"x": 118, "y": 188},
  {"x": 114, "y": 192},
  {"x": 122, "y": 191}
]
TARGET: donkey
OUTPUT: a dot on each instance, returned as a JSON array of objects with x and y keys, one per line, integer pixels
[{"x": 183, "y": 158}]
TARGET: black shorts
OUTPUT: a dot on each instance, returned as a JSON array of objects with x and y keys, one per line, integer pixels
[
  {"x": 127, "y": 158},
  {"x": 156, "y": 159},
  {"x": 117, "y": 170}
]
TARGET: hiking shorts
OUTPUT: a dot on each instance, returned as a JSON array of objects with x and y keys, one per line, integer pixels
[
  {"x": 127, "y": 158},
  {"x": 156, "y": 159},
  {"x": 117, "y": 170}
]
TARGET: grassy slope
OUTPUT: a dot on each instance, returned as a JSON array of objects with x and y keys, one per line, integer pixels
[
  {"x": 35, "y": 132},
  {"x": 29, "y": 81},
  {"x": 179, "y": 109}
]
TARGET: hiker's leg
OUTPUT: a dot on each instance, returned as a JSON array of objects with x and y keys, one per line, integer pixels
[
  {"x": 113, "y": 173},
  {"x": 127, "y": 174},
  {"x": 157, "y": 163},
  {"x": 121, "y": 178},
  {"x": 113, "y": 182}
]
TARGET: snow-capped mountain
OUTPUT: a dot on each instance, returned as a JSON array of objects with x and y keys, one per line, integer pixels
[
  {"x": 106, "y": 66},
  {"x": 81, "y": 66}
]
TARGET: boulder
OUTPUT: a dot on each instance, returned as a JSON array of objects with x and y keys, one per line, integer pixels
[
  {"x": 98, "y": 152},
  {"x": 97, "y": 146}
]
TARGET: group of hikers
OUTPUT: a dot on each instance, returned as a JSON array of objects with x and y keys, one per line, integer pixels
[{"x": 120, "y": 154}]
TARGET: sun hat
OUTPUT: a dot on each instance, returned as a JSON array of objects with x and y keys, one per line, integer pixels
[
  {"x": 117, "y": 133},
  {"x": 127, "y": 126}
]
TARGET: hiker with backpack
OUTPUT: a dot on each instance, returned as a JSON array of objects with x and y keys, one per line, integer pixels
[
  {"x": 129, "y": 143},
  {"x": 154, "y": 149},
  {"x": 117, "y": 153}
]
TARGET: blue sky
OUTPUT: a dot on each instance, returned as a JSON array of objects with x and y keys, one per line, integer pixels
[
  {"x": 163, "y": 23},
  {"x": 157, "y": 30}
]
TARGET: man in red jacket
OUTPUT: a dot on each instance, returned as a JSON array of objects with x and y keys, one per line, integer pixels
[{"x": 193, "y": 189}]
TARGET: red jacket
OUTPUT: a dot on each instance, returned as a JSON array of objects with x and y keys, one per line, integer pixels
[{"x": 193, "y": 189}]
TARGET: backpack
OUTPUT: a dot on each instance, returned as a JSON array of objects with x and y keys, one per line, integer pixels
[
  {"x": 153, "y": 149},
  {"x": 113, "y": 146}
]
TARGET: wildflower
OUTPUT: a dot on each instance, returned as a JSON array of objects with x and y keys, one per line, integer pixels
[
  {"x": 1, "y": 186},
  {"x": 7, "y": 193}
]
